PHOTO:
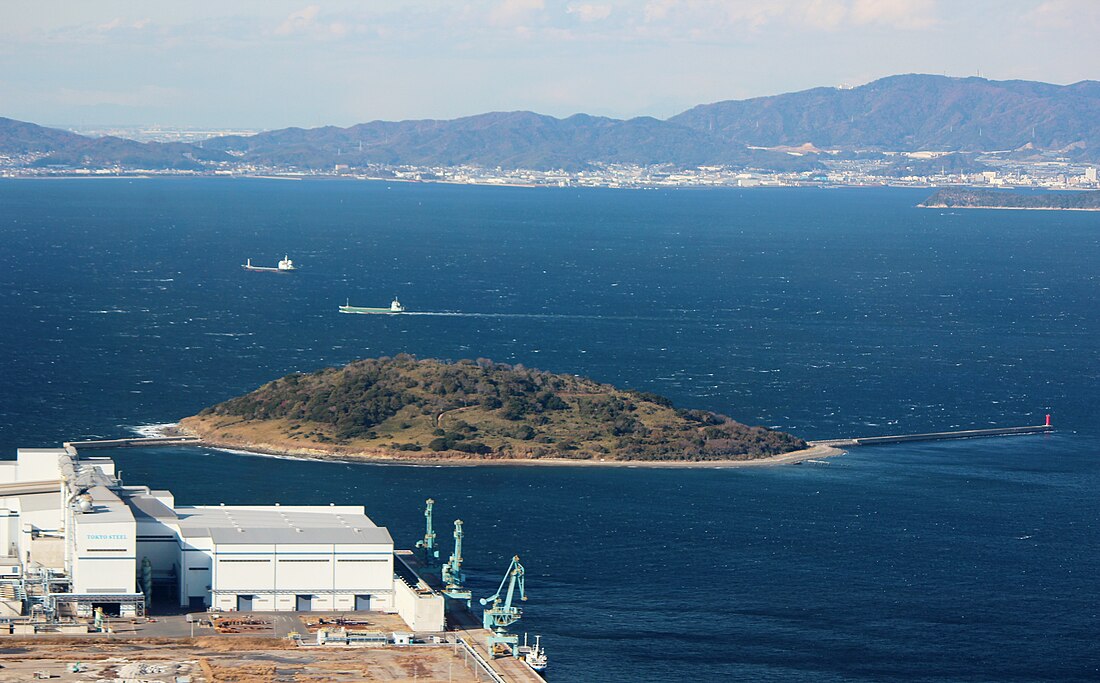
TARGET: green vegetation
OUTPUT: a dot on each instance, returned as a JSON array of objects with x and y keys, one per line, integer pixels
[
  {"x": 476, "y": 409},
  {"x": 970, "y": 198}
]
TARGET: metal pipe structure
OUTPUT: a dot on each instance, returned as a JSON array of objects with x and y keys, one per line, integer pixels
[
  {"x": 454, "y": 579},
  {"x": 428, "y": 543}
]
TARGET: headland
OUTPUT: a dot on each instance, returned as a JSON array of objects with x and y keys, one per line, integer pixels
[{"x": 972, "y": 198}]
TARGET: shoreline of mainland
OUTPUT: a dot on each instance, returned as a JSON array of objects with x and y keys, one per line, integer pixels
[{"x": 814, "y": 452}]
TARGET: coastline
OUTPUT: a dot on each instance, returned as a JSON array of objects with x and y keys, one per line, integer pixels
[
  {"x": 1008, "y": 208},
  {"x": 814, "y": 452}
]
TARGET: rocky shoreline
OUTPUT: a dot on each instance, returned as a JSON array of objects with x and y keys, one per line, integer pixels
[{"x": 465, "y": 460}]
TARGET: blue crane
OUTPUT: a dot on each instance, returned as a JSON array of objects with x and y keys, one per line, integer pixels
[
  {"x": 502, "y": 613},
  {"x": 454, "y": 579},
  {"x": 428, "y": 544}
]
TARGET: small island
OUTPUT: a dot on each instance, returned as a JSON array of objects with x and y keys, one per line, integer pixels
[
  {"x": 973, "y": 198},
  {"x": 409, "y": 410}
]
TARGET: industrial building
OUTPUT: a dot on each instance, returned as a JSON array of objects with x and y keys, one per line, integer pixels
[{"x": 76, "y": 539}]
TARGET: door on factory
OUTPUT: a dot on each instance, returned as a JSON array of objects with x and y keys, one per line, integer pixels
[
  {"x": 362, "y": 603},
  {"x": 244, "y": 603},
  {"x": 304, "y": 603}
]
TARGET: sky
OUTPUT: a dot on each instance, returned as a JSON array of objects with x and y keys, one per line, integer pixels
[{"x": 263, "y": 64}]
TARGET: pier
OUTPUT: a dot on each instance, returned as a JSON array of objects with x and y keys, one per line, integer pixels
[
  {"x": 135, "y": 442},
  {"x": 934, "y": 436},
  {"x": 469, "y": 634}
]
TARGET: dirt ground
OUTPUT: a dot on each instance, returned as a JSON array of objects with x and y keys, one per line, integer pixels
[{"x": 222, "y": 660}]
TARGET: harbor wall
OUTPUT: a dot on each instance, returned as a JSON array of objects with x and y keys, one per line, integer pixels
[{"x": 933, "y": 436}]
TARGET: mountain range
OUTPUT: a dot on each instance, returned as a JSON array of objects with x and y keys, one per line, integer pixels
[{"x": 794, "y": 131}]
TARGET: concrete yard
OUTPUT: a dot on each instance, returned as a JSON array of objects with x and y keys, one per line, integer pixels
[
  {"x": 275, "y": 624},
  {"x": 160, "y": 651},
  {"x": 223, "y": 660}
]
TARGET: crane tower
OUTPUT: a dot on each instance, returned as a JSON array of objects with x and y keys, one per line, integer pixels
[
  {"x": 428, "y": 543},
  {"x": 454, "y": 578},
  {"x": 502, "y": 613}
]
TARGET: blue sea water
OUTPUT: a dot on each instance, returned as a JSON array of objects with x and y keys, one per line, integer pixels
[{"x": 826, "y": 313}]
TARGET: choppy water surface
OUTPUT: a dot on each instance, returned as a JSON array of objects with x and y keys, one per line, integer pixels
[{"x": 828, "y": 313}]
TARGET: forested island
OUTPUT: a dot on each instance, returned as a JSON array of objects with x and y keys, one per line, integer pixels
[
  {"x": 970, "y": 198},
  {"x": 403, "y": 408}
]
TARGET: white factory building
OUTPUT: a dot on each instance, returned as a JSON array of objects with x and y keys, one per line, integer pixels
[{"x": 75, "y": 538}]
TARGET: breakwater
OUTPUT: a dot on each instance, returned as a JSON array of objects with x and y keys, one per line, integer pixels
[
  {"x": 137, "y": 442},
  {"x": 933, "y": 436}
]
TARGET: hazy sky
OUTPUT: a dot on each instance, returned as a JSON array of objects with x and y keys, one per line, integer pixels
[{"x": 272, "y": 63}]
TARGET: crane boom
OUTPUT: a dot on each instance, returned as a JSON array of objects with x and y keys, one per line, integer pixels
[{"x": 501, "y": 614}]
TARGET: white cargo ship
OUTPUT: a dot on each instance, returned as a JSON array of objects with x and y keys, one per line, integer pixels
[
  {"x": 395, "y": 307},
  {"x": 285, "y": 266}
]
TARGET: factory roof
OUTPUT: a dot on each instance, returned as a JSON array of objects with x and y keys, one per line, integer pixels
[
  {"x": 281, "y": 525},
  {"x": 37, "y": 502},
  {"x": 145, "y": 506},
  {"x": 106, "y": 507}
]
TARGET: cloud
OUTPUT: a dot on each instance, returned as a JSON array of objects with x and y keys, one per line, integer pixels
[
  {"x": 902, "y": 14},
  {"x": 749, "y": 16},
  {"x": 658, "y": 10},
  {"x": 119, "y": 23},
  {"x": 306, "y": 22},
  {"x": 587, "y": 11},
  {"x": 299, "y": 21},
  {"x": 824, "y": 14},
  {"x": 706, "y": 16},
  {"x": 1082, "y": 15},
  {"x": 515, "y": 13}
]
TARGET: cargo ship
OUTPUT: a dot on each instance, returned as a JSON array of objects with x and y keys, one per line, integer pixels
[
  {"x": 395, "y": 307},
  {"x": 285, "y": 266}
]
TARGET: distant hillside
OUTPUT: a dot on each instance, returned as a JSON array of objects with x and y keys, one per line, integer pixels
[
  {"x": 915, "y": 112},
  {"x": 19, "y": 137},
  {"x": 956, "y": 162},
  {"x": 506, "y": 140},
  {"x": 53, "y": 147},
  {"x": 404, "y": 407},
  {"x": 970, "y": 198},
  {"x": 791, "y": 132},
  {"x": 910, "y": 112}
]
